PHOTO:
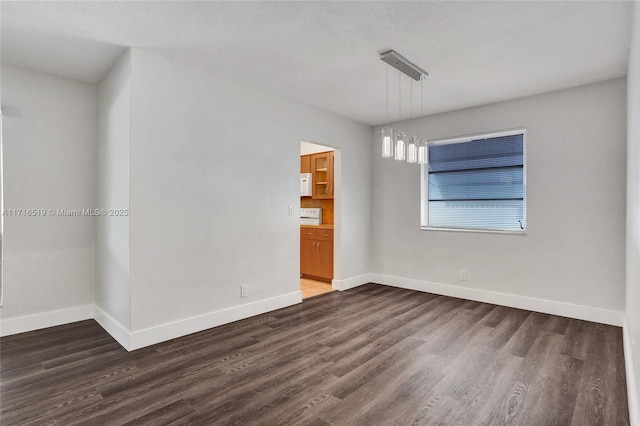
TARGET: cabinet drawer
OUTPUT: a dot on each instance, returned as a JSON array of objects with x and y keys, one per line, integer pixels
[
  {"x": 325, "y": 234},
  {"x": 308, "y": 234}
]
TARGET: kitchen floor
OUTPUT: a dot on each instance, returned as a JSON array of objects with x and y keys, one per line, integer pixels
[{"x": 313, "y": 288}]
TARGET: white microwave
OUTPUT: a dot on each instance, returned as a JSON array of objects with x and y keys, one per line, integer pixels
[{"x": 305, "y": 185}]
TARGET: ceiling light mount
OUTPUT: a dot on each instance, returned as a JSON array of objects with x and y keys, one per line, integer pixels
[{"x": 407, "y": 67}]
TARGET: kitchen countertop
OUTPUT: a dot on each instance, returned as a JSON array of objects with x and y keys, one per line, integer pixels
[{"x": 323, "y": 226}]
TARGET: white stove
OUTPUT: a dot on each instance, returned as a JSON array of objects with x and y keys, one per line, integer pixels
[{"x": 310, "y": 216}]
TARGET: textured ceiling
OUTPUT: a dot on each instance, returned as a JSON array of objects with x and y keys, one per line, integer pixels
[{"x": 327, "y": 53}]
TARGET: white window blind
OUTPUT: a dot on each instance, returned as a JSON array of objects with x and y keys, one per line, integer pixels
[{"x": 477, "y": 184}]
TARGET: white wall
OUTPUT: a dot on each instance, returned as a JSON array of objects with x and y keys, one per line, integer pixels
[
  {"x": 112, "y": 232},
  {"x": 50, "y": 159},
  {"x": 574, "y": 248},
  {"x": 307, "y": 148},
  {"x": 632, "y": 320},
  {"x": 214, "y": 167}
]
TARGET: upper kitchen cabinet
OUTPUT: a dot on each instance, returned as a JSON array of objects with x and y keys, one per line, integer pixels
[
  {"x": 322, "y": 173},
  {"x": 305, "y": 164}
]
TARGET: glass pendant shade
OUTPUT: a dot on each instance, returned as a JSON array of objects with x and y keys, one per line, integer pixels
[
  {"x": 387, "y": 142},
  {"x": 401, "y": 147},
  {"x": 412, "y": 150},
  {"x": 422, "y": 152}
]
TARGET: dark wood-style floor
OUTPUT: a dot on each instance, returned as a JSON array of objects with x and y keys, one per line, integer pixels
[{"x": 373, "y": 355}]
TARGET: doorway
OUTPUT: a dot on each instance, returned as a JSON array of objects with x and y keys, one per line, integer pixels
[{"x": 317, "y": 193}]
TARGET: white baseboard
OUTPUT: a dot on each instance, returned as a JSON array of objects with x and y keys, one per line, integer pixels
[
  {"x": 352, "y": 282},
  {"x": 587, "y": 313},
  {"x": 632, "y": 389},
  {"x": 47, "y": 319},
  {"x": 112, "y": 326},
  {"x": 150, "y": 336}
]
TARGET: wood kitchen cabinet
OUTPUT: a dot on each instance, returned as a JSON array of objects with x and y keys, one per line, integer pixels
[
  {"x": 322, "y": 174},
  {"x": 316, "y": 252},
  {"x": 305, "y": 164}
]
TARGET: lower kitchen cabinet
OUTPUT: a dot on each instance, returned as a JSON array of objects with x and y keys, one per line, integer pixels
[{"x": 316, "y": 252}]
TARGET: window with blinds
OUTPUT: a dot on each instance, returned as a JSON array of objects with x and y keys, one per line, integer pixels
[{"x": 476, "y": 183}]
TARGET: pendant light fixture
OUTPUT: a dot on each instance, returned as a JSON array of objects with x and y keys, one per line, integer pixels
[
  {"x": 387, "y": 142},
  {"x": 422, "y": 151},
  {"x": 387, "y": 131},
  {"x": 412, "y": 150},
  {"x": 399, "y": 145}
]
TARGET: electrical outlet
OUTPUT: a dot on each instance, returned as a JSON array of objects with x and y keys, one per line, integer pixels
[
  {"x": 463, "y": 275},
  {"x": 244, "y": 290}
]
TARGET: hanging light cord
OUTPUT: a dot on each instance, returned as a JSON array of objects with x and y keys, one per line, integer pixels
[
  {"x": 399, "y": 96},
  {"x": 387, "y": 93},
  {"x": 411, "y": 87}
]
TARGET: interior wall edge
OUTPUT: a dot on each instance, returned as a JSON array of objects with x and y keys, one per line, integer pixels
[
  {"x": 352, "y": 282},
  {"x": 23, "y": 324},
  {"x": 632, "y": 390},
  {"x": 581, "y": 312},
  {"x": 112, "y": 326}
]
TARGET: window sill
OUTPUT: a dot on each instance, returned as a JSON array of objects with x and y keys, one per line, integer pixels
[{"x": 479, "y": 231}]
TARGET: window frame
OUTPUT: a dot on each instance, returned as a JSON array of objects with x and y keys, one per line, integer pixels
[{"x": 424, "y": 181}]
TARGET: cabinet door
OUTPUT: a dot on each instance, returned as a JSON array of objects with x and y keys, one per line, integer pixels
[
  {"x": 324, "y": 250},
  {"x": 308, "y": 258},
  {"x": 305, "y": 164},
  {"x": 330, "y": 175},
  {"x": 322, "y": 170}
]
